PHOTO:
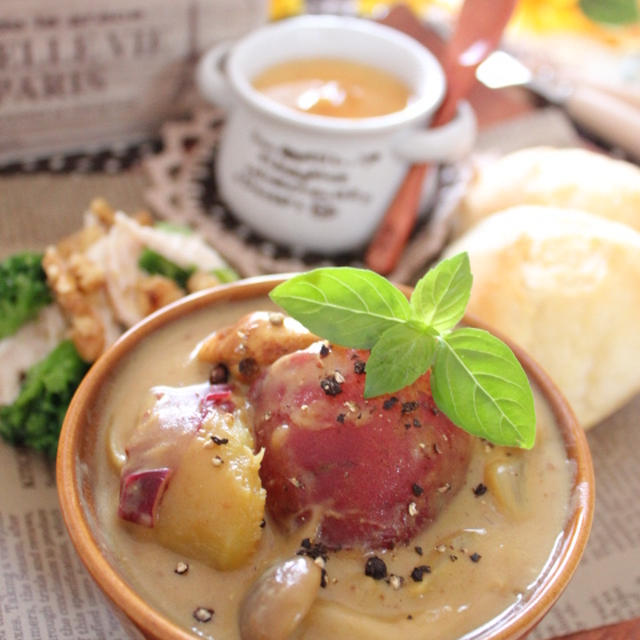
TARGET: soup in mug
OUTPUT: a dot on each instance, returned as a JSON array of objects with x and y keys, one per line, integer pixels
[
  {"x": 275, "y": 572},
  {"x": 333, "y": 87}
]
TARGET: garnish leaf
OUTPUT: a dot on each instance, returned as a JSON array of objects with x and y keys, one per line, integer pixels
[
  {"x": 348, "y": 306},
  {"x": 614, "y": 12},
  {"x": 441, "y": 296},
  {"x": 479, "y": 384},
  {"x": 399, "y": 357},
  {"x": 476, "y": 379}
]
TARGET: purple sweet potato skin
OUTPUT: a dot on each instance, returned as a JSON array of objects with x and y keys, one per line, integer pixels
[{"x": 377, "y": 471}]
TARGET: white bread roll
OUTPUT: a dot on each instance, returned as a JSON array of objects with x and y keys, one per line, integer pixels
[
  {"x": 568, "y": 178},
  {"x": 565, "y": 285}
]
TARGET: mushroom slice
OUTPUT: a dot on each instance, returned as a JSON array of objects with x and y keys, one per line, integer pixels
[{"x": 279, "y": 600}]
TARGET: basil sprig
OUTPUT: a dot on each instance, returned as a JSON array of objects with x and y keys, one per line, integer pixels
[
  {"x": 611, "y": 12},
  {"x": 476, "y": 380}
]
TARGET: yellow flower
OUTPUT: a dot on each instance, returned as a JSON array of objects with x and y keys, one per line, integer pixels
[{"x": 284, "y": 8}]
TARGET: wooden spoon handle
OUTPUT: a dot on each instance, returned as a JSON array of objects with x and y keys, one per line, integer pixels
[
  {"x": 400, "y": 218},
  {"x": 477, "y": 33}
]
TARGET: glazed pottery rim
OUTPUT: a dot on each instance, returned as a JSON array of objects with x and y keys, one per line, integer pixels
[
  {"x": 512, "y": 624},
  {"x": 428, "y": 95}
]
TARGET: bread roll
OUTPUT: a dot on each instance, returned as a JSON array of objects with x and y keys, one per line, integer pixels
[
  {"x": 568, "y": 178},
  {"x": 565, "y": 285}
]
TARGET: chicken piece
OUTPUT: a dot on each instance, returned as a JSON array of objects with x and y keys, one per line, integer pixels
[
  {"x": 103, "y": 211},
  {"x": 200, "y": 280},
  {"x": 80, "y": 241},
  {"x": 88, "y": 275},
  {"x": 254, "y": 342},
  {"x": 143, "y": 217},
  {"x": 157, "y": 291},
  {"x": 87, "y": 331},
  {"x": 79, "y": 290}
]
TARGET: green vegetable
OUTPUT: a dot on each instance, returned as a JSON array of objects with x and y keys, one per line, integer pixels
[
  {"x": 613, "y": 12},
  {"x": 35, "y": 418},
  {"x": 476, "y": 379},
  {"x": 225, "y": 274},
  {"x": 23, "y": 290},
  {"x": 152, "y": 262}
]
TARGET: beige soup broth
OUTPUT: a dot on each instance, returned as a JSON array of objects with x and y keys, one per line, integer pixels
[
  {"x": 485, "y": 551},
  {"x": 333, "y": 87}
]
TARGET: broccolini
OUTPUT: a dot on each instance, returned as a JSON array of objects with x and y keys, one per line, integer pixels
[
  {"x": 23, "y": 290},
  {"x": 35, "y": 418}
]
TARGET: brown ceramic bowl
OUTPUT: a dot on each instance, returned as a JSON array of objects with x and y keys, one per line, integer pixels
[{"x": 77, "y": 454}]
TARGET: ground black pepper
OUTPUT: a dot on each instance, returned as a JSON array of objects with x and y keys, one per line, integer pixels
[
  {"x": 418, "y": 572},
  {"x": 218, "y": 440},
  {"x": 202, "y": 614},
  {"x": 408, "y": 407},
  {"x": 375, "y": 568},
  {"x": 324, "y": 351},
  {"x": 340, "y": 418},
  {"x": 417, "y": 490},
  {"x": 480, "y": 489},
  {"x": 389, "y": 403},
  {"x": 331, "y": 386},
  {"x": 358, "y": 367},
  {"x": 418, "y": 550},
  {"x": 313, "y": 550},
  {"x": 219, "y": 374},
  {"x": 475, "y": 557}
]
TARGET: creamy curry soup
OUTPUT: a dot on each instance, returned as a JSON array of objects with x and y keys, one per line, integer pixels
[
  {"x": 481, "y": 556},
  {"x": 333, "y": 87}
]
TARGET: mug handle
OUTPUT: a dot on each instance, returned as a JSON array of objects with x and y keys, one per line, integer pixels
[
  {"x": 210, "y": 77},
  {"x": 448, "y": 143}
]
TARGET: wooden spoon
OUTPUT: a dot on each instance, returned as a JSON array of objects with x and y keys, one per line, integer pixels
[{"x": 478, "y": 31}]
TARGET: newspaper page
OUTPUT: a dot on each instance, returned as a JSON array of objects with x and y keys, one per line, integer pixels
[
  {"x": 76, "y": 76},
  {"x": 45, "y": 591}
]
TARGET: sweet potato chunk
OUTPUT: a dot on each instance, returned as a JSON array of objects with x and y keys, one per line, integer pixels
[
  {"x": 214, "y": 504},
  {"x": 191, "y": 478},
  {"x": 374, "y": 472}
]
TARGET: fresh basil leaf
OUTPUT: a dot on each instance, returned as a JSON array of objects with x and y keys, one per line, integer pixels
[
  {"x": 441, "y": 296},
  {"x": 611, "y": 11},
  {"x": 351, "y": 307},
  {"x": 480, "y": 385},
  {"x": 399, "y": 357}
]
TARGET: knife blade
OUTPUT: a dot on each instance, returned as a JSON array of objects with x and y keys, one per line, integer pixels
[{"x": 609, "y": 118}]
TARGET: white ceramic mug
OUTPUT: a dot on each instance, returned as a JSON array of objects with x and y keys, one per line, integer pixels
[{"x": 315, "y": 182}]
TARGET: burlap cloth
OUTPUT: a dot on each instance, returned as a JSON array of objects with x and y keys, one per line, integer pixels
[{"x": 39, "y": 209}]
